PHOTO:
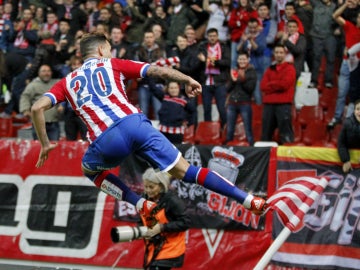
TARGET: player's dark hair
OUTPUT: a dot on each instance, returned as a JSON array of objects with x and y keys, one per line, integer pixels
[{"x": 90, "y": 42}]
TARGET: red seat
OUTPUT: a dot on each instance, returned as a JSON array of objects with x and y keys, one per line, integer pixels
[
  {"x": 297, "y": 132},
  {"x": 6, "y": 127},
  {"x": 208, "y": 132},
  {"x": 308, "y": 114},
  {"x": 315, "y": 134},
  {"x": 257, "y": 130},
  {"x": 334, "y": 134},
  {"x": 256, "y": 113},
  {"x": 328, "y": 99},
  {"x": 189, "y": 134},
  {"x": 239, "y": 135}
]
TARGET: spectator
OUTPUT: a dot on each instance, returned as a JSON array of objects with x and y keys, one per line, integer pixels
[
  {"x": 93, "y": 13},
  {"x": 17, "y": 67},
  {"x": 119, "y": 18},
  {"x": 253, "y": 41},
  {"x": 352, "y": 37},
  {"x": 349, "y": 137},
  {"x": 160, "y": 17},
  {"x": 50, "y": 27},
  {"x": 135, "y": 31},
  {"x": 304, "y": 12},
  {"x": 219, "y": 17},
  {"x": 295, "y": 44},
  {"x": 71, "y": 12},
  {"x": 33, "y": 91},
  {"x": 149, "y": 52},
  {"x": 63, "y": 42},
  {"x": 119, "y": 48},
  {"x": 190, "y": 34},
  {"x": 189, "y": 65},
  {"x": 164, "y": 241},
  {"x": 269, "y": 29},
  {"x": 74, "y": 126},
  {"x": 215, "y": 57},
  {"x": 106, "y": 18},
  {"x": 181, "y": 16},
  {"x": 202, "y": 17},
  {"x": 26, "y": 38},
  {"x": 323, "y": 39},
  {"x": 173, "y": 113},
  {"x": 39, "y": 16},
  {"x": 238, "y": 21},
  {"x": 159, "y": 35},
  {"x": 6, "y": 33},
  {"x": 102, "y": 28},
  {"x": 8, "y": 11},
  {"x": 278, "y": 87},
  {"x": 289, "y": 15},
  {"x": 239, "y": 102}
]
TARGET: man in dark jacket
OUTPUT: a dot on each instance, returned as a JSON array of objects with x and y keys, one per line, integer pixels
[
  {"x": 278, "y": 88},
  {"x": 215, "y": 57},
  {"x": 295, "y": 43},
  {"x": 189, "y": 64}
]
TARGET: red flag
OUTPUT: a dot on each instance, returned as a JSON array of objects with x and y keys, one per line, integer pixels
[{"x": 293, "y": 199}]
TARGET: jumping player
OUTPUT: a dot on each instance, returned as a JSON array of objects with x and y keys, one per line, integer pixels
[{"x": 116, "y": 128}]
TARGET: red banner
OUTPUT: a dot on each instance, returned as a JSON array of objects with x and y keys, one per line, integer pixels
[
  {"x": 329, "y": 236},
  {"x": 55, "y": 215}
]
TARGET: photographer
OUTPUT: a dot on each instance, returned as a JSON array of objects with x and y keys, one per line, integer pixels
[{"x": 165, "y": 238}]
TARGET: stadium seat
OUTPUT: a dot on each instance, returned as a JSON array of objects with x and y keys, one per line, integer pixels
[
  {"x": 208, "y": 132},
  {"x": 308, "y": 114},
  {"x": 315, "y": 134},
  {"x": 239, "y": 135},
  {"x": 328, "y": 99},
  {"x": 334, "y": 134},
  {"x": 297, "y": 132},
  {"x": 257, "y": 129},
  {"x": 256, "y": 113},
  {"x": 6, "y": 127},
  {"x": 189, "y": 134}
]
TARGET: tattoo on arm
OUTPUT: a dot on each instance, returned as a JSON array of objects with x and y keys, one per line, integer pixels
[{"x": 167, "y": 74}]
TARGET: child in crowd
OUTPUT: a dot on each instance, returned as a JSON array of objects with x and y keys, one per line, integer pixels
[{"x": 174, "y": 112}]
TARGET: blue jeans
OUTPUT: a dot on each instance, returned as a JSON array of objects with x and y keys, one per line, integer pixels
[
  {"x": 259, "y": 63},
  {"x": 219, "y": 93},
  {"x": 234, "y": 54},
  {"x": 146, "y": 97},
  {"x": 246, "y": 115},
  {"x": 343, "y": 85}
]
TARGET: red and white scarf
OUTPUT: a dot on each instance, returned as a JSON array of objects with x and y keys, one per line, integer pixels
[
  {"x": 293, "y": 39},
  {"x": 213, "y": 52},
  {"x": 21, "y": 42}
]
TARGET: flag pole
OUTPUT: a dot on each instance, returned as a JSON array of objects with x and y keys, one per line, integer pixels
[{"x": 266, "y": 258}]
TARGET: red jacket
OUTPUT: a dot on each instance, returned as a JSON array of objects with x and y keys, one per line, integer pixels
[
  {"x": 238, "y": 22},
  {"x": 278, "y": 83}
]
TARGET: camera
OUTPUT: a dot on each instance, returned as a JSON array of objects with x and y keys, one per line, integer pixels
[{"x": 127, "y": 233}]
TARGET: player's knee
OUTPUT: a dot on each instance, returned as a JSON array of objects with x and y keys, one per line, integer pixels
[{"x": 89, "y": 174}]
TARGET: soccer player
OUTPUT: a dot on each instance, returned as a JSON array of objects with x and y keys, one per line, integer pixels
[{"x": 117, "y": 128}]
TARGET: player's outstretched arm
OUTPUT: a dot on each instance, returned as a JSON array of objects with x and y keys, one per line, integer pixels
[
  {"x": 192, "y": 87},
  {"x": 38, "y": 119}
]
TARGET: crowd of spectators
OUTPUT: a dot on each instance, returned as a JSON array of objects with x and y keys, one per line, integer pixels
[{"x": 201, "y": 38}]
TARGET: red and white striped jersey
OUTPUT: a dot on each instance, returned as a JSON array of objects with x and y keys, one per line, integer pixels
[{"x": 96, "y": 91}]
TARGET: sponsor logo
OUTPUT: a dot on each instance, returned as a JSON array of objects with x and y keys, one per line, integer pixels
[{"x": 111, "y": 189}]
